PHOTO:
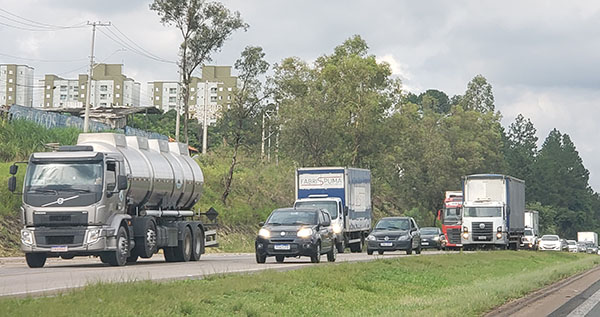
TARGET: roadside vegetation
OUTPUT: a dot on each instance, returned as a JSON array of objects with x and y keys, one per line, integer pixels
[{"x": 410, "y": 286}]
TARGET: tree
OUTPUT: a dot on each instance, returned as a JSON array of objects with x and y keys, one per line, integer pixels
[
  {"x": 240, "y": 121},
  {"x": 435, "y": 100},
  {"x": 478, "y": 96},
  {"x": 521, "y": 149},
  {"x": 204, "y": 27}
]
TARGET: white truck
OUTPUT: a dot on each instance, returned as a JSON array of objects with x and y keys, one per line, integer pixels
[
  {"x": 493, "y": 211},
  {"x": 115, "y": 197},
  {"x": 346, "y": 194},
  {"x": 531, "y": 234},
  {"x": 588, "y": 237}
]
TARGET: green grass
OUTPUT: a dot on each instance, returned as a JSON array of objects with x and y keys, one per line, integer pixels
[{"x": 444, "y": 285}]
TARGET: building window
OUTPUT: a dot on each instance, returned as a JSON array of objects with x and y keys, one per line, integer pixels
[
  {"x": 213, "y": 98},
  {"x": 213, "y": 90},
  {"x": 63, "y": 88},
  {"x": 102, "y": 96},
  {"x": 63, "y": 97},
  {"x": 47, "y": 95},
  {"x": 82, "y": 96},
  {"x": 10, "y": 72},
  {"x": 9, "y": 88},
  {"x": 10, "y": 80},
  {"x": 48, "y": 87},
  {"x": 156, "y": 89},
  {"x": 118, "y": 86},
  {"x": 229, "y": 89},
  {"x": 9, "y": 97},
  {"x": 103, "y": 88},
  {"x": 117, "y": 95},
  {"x": 193, "y": 89},
  {"x": 220, "y": 97},
  {"x": 21, "y": 72},
  {"x": 157, "y": 98},
  {"x": 103, "y": 104},
  {"x": 228, "y": 97},
  {"x": 172, "y": 91},
  {"x": 82, "y": 86},
  {"x": 220, "y": 88},
  {"x": 192, "y": 98},
  {"x": 172, "y": 99}
]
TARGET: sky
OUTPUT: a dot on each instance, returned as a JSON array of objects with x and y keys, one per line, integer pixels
[{"x": 542, "y": 58}]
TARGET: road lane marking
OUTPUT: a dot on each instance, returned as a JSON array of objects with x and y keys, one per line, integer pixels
[{"x": 586, "y": 306}]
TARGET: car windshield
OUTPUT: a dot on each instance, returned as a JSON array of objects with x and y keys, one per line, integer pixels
[
  {"x": 483, "y": 212},
  {"x": 550, "y": 238},
  {"x": 392, "y": 224},
  {"x": 63, "y": 176},
  {"x": 571, "y": 242},
  {"x": 528, "y": 232},
  {"x": 330, "y": 206},
  {"x": 292, "y": 217},
  {"x": 429, "y": 231}
]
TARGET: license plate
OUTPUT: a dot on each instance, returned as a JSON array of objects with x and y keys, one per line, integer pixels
[
  {"x": 60, "y": 248},
  {"x": 425, "y": 243},
  {"x": 481, "y": 238},
  {"x": 281, "y": 247},
  {"x": 386, "y": 244}
]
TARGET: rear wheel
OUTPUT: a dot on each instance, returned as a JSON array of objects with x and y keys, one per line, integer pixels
[
  {"x": 332, "y": 254},
  {"x": 146, "y": 245},
  {"x": 369, "y": 252},
  {"x": 35, "y": 260},
  {"x": 419, "y": 249},
  {"x": 198, "y": 243},
  {"x": 279, "y": 258},
  {"x": 380, "y": 252},
  {"x": 183, "y": 251},
  {"x": 119, "y": 256},
  {"x": 316, "y": 257}
]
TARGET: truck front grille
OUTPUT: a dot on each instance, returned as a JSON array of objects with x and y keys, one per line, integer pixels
[
  {"x": 485, "y": 234},
  {"x": 59, "y": 240},
  {"x": 453, "y": 235}
]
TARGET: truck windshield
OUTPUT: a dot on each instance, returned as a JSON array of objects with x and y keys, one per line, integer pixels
[
  {"x": 392, "y": 224},
  {"x": 451, "y": 215},
  {"x": 528, "y": 232},
  {"x": 330, "y": 206},
  {"x": 62, "y": 176},
  {"x": 483, "y": 212},
  {"x": 283, "y": 217}
]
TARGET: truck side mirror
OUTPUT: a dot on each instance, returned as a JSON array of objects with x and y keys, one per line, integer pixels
[
  {"x": 345, "y": 210},
  {"x": 13, "y": 169},
  {"x": 262, "y": 223},
  {"x": 12, "y": 184},
  {"x": 121, "y": 182}
]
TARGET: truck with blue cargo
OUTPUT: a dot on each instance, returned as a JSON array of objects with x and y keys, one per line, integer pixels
[
  {"x": 113, "y": 196},
  {"x": 345, "y": 193},
  {"x": 493, "y": 211}
]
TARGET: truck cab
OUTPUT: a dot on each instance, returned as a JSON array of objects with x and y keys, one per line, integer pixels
[
  {"x": 483, "y": 224},
  {"x": 451, "y": 219},
  {"x": 333, "y": 205}
]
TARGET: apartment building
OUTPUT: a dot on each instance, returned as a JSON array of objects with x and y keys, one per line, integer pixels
[
  {"x": 211, "y": 92},
  {"x": 110, "y": 88},
  {"x": 16, "y": 85}
]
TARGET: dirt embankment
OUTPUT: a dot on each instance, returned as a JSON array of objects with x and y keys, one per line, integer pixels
[{"x": 10, "y": 227}]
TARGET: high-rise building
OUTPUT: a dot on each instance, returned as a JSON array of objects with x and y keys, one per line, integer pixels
[
  {"x": 16, "y": 85},
  {"x": 110, "y": 88},
  {"x": 210, "y": 93}
]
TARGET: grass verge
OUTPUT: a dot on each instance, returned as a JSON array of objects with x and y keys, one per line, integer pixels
[{"x": 418, "y": 285}]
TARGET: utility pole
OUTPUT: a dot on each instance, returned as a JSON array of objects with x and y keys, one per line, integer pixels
[
  {"x": 180, "y": 97},
  {"x": 86, "y": 117},
  {"x": 262, "y": 139},
  {"x": 205, "y": 120}
]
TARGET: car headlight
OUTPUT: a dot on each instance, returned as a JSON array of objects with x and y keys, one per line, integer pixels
[
  {"x": 264, "y": 233},
  {"x": 371, "y": 238},
  {"x": 305, "y": 232},
  {"x": 93, "y": 235},
  {"x": 436, "y": 238},
  {"x": 465, "y": 235},
  {"x": 337, "y": 228},
  {"x": 26, "y": 237},
  {"x": 403, "y": 238}
]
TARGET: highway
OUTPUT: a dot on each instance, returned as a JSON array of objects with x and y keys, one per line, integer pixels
[{"x": 16, "y": 279}]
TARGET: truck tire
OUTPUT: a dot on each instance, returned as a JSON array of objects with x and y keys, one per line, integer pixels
[
  {"x": 380, "y": 252},
  {"x": 357, "y": 247},
  {"x": 418, "y": 251},
  {"x": 260, "y": 259},
  {"x": 279, "y": 258},
  {"x": 119, "y": 256},
  {"x": 198, "y": 244},
  {"x": 183, "y": 251},
  {"x": 341, "y": 245},
  {"x": 332, "y": 254},
  {"x": 146, "y": 245},
  {"x": 316, "y": 257},
  {"x": 35, "y": 260},
  {"x": 169, "y": 253}
]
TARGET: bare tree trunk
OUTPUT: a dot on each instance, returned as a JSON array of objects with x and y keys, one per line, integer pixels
[{"x": 229, "y": 178}]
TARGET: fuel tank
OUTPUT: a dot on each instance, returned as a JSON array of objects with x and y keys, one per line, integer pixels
[{"x": 161, "y": 174}]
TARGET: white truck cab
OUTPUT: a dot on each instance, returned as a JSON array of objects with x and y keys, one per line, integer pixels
[
  {"x": 483, "y": 223},
  {"x": 333, "y": 205}
]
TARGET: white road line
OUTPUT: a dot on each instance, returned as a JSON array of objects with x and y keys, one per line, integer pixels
[{"x": 586, "y": 306}]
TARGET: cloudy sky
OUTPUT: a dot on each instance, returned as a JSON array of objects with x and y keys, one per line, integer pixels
[{"x": 541, "y": 57}]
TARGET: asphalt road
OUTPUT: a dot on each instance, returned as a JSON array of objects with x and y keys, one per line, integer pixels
[{"x": 16, "y": 279}]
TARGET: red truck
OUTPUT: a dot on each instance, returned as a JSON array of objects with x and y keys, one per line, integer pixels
[{"x": 451, "y": 219}]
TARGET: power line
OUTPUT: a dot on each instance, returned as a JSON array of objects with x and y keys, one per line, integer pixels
[
  {"x": 134, "y": 43},
  {"x": 40, "y": 25},
  {"x": 121, "y": 42},
  {"x": 44, "y": 60}
]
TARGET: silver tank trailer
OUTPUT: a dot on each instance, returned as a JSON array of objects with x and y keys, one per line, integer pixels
[{"x": 161, "y": 174}]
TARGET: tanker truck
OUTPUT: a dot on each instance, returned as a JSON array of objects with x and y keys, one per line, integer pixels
[{"x": 113, "y": 196}]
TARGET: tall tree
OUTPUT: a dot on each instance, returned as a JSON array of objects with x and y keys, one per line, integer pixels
[
  {"x": 478, "y": 96},
  {"x": 204, "y": 27},
  {"x": 521, "y": 149},
  {"x": 239, "y": 122}
]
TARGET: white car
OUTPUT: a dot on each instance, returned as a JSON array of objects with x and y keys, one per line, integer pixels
[
  {"x": 550, "y": 242},
  {"x": 572, "y": 245}
]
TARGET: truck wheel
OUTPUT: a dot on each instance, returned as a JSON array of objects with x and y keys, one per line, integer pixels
[
  {"x": 146, "y": 246},
  {"x": 369, "y": 252},
  {"x": 35, "y": 260},
  {"x": 169, "y": 253},
  {"x": 332, "y": 254},
  {"x": 260, "y": 258},
  {"x": 183, "y": 251},
  {"x": 279, "y": 258},
  {"x": 316, "y": 257},
  {"x": 198, "y": 243},
  {"x": 380, "y": 252},
  {"x": 119, "y": 256},
  {"x": 418, "y": 251},
  {"x": 341, "y": 246}
]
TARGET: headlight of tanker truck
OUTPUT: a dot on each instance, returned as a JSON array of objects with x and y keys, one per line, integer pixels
[
  {"x": 465, "y": 234},
  {"x": 93, "y": 235},
  {"x": 26, "y": 237},
  {"x": 337, "y": 228}
]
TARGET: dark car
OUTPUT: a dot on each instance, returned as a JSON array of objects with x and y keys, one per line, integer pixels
[
  {"x": 431, "y": 238},
  {"x": 394, "y": 233},
  {"x": 293, "y": 232}
]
